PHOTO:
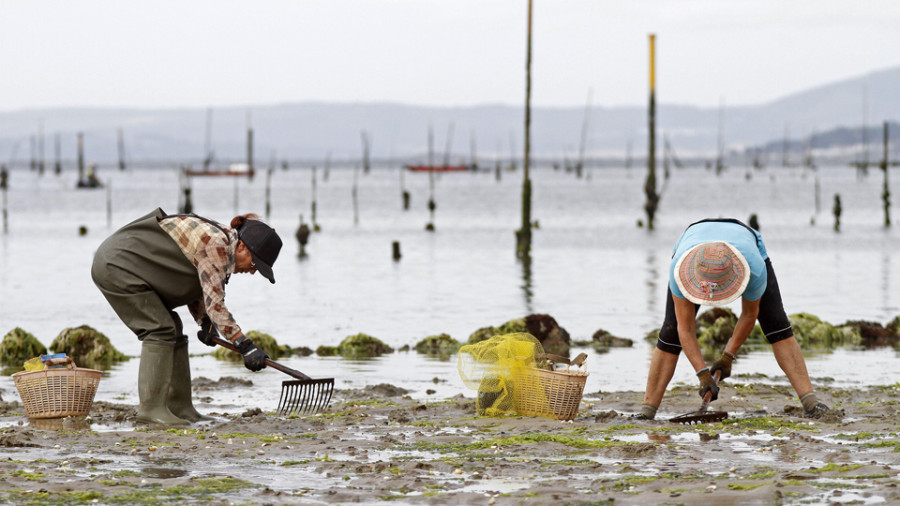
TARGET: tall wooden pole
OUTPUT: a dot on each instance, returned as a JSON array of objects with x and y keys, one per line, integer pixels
[
  {"x": 886, "y": 193},
  {"x": 315, "y": 225},
  {"x": 432, "y": 205},
  {"x": 250, "y": 150},
  {"x": 523, "y": 235},
  {"x": 4, "y": 186},
  {"x": 366, "y": 147},
  {"x": 650, "y": 184},
  {"x": 121, "y": 145},
  {"x": 58, "y": 165},
  {"x": 41, "y": 149},
  {"x": 80, "y": 157}
]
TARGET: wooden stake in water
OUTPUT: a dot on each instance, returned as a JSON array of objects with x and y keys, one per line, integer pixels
[
  {"x": 366, "y": 147},
  {"x": 315, "y": 226},
  {"x": 432, "y": 205},
  {"x": 121, "y": 145},
  {"x": 523, "y": 235},
  {"x": 80, "y": 157},
  {"x": 720, "y": 141},
  {"x": 58, "y": 165},
  {"x": 404, "y": 193},
  {"x": 32, "y": 165},
  {"x": 4, "y": 186},
  {"x": 41, "y": 148},
  {"x": 836, "y": 210},
  {"x": 650, "y": 184},
  {"x": 886, "y": 193}
]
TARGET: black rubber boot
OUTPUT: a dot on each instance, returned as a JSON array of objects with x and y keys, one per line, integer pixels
[
  {"x": 154, "y": 377},
  {"x": 179, "y": 400}
]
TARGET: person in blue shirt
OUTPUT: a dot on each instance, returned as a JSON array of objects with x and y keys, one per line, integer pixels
[{"x": 715, "y": 262}]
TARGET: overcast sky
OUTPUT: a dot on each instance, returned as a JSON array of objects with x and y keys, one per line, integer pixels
[{"x": 199, "y": 53}]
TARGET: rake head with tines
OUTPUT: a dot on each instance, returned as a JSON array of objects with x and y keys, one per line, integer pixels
[
  {"x": 304, "y": 395},
  {"x": 702, "y": 415}
]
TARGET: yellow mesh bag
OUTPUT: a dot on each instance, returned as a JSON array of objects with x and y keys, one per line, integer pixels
[{"x": 492, "y": 367}]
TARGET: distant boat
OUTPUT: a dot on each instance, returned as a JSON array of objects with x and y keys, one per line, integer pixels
[
  {"x": 235, "y": 169},
  {"x": 437, "y": 168}
]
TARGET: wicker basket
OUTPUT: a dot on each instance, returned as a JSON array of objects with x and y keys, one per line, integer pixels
[
  {"x": 551, "y": 394},
  {"x": 57, "y": 392}
]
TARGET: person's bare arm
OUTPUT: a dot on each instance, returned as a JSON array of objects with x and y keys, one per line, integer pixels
[{"x": 687, "y": 331}]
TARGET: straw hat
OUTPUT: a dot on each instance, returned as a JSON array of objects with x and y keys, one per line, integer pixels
[{"x": 712, "y": 274}]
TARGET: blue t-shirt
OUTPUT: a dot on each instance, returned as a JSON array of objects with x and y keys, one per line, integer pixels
[{"x": 745, "y": 240}]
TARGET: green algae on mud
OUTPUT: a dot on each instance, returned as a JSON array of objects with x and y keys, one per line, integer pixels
[
  {"x": 198, "y": 489},
  {"x": 528, "y": 438}
]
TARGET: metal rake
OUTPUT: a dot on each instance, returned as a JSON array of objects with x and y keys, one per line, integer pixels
[{"x": 303, "y": 395}]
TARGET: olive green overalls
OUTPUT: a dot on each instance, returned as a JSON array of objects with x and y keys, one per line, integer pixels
[{"x": 144, "y": 275}]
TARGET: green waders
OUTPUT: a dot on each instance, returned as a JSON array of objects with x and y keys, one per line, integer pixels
[{"x": 144, "y": 275}]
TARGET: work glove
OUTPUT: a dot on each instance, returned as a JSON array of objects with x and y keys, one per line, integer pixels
[
  {"x": 254, "y": 356},
  {"x": 207, "y": 331},
  {"x": 707, "y": 384},
  {"x": 724, "y": 365}
]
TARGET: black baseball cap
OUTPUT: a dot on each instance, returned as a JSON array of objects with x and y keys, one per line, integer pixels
[{"x": 263, "y": 243}]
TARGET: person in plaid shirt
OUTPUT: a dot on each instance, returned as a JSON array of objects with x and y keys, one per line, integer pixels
[{"x": 159, "y": 262}]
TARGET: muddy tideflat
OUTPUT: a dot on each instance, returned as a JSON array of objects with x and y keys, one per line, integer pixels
[{"x": 375, "y": 445}]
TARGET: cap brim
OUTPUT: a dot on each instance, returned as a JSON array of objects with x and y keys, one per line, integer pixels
[{"x": 263, "y": 268}]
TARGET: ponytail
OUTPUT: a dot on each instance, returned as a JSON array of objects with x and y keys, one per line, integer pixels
[{"x": 238, "y": 221}]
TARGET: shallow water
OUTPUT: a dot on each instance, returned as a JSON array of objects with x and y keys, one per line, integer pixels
[{"x": 591, "y": 267}]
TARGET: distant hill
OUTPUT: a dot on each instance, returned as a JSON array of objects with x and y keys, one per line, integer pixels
[{"x": 306, "y": 132}]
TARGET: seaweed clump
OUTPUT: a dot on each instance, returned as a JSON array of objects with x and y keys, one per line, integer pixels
[
  {"x": 554, "y": 338},
  {"x": 872, "y": 334},
  {"x": 263, "y": 340},
  {"x": 356, "y": 346},
  {"x": 18, "y": 346},
  {"x": 813, "y": 333},
  {"x": 441, "y": 345},
  {"x": 602, "y": 340},
  {"x": 88, "y": 347},
  {"x": 362, "y": 345}
]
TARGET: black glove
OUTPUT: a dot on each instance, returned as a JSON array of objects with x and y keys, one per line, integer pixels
[
  {"x": 707, "y": 384},
  {"x": 254, "y": 356},
  {"x": 724, "y": 365},
  {"x": 207, "y": 331}
]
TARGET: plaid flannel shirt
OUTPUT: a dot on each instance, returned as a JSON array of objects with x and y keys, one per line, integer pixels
[{"x": 212, "y": 251}]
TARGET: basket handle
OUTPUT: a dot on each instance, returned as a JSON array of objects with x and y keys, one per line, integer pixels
[
  {"x": 577, "y": 361},
  {"x": 66, "y": 361}
]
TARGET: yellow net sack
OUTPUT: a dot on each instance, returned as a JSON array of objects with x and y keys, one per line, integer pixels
[{"x": 492, "y": 368}]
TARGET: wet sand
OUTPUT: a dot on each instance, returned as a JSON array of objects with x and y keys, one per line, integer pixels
[{"x": 377, "y": 445}]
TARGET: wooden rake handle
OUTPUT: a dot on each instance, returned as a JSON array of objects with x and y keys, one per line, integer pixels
[
  {"x": 708, "y": 397},
  {"x": 269, "y": 362}
]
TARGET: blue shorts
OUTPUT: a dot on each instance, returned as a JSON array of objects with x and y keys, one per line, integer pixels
[{"x": 772, "y": 318}]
